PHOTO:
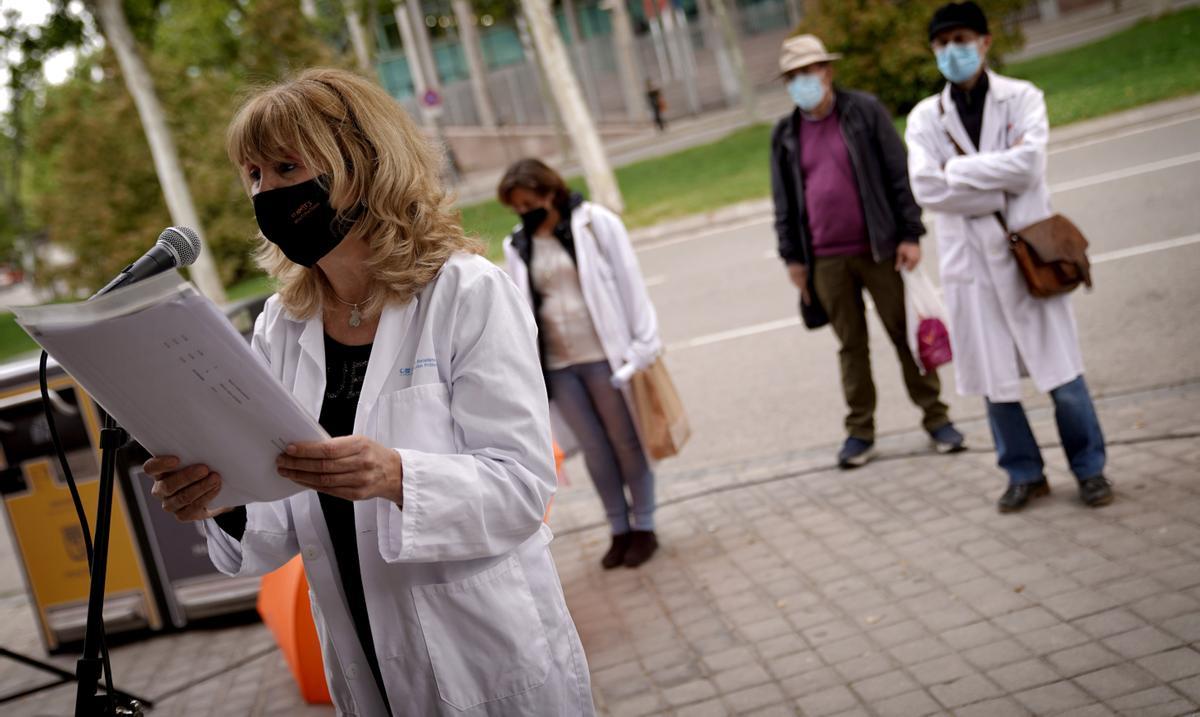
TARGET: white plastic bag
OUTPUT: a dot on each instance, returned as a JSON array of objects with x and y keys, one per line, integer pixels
[{"x": 922, "y": 300}]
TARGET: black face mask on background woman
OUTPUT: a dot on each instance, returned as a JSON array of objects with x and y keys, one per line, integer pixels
[
  {"x": 533, "y": 219},
  {"x": 300, "y": 221}
]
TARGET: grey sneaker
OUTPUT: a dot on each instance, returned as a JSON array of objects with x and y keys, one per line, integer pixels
[
  {"x": 855, "y": 453},
  {"x": 947, "y": 439}
]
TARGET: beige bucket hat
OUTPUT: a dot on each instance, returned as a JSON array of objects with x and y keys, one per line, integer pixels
[{"x": 802, "y": 51}]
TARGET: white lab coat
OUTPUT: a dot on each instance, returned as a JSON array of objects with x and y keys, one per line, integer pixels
[
  {"x": 998, "y": 330},
  {"x": 466, "y": 610},
  {"x": 613, "y": 289}
]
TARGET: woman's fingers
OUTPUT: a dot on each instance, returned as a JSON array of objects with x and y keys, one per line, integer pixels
[
  {"x": 158, "y": 465},
  {"x": 198, "y": 509},
  {"x": 318, "y": 465},
  {"x": 193, "y": 495},
  {"x": 168, "y": 484}
]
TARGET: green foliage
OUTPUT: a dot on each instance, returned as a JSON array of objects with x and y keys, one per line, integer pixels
[
  {"x": 1154, "y": 60},
  {"x": 885, "y": 44},
  {"x": 101, "y": 197}
]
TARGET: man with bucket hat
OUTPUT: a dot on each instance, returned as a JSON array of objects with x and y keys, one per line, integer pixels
[{"x": 846, "y": 220}]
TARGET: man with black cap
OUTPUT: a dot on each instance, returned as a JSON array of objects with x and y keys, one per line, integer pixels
[
  {"x": 977, "y": 157},
  {"x": 846, "y": 220}
]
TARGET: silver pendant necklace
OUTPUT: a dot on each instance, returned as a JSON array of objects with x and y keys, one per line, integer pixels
[{"x": 355, "y": 314}]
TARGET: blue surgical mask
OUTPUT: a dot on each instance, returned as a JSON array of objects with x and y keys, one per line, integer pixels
[
  {"x": 807, "y": 91},
  {"x": 959, "y": 63}
]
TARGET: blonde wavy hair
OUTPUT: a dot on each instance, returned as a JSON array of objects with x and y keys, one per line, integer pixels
[{"x": 382, "y": 172}]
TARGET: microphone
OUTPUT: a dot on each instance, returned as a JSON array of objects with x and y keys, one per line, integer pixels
[{"x": 176, "y": 247}]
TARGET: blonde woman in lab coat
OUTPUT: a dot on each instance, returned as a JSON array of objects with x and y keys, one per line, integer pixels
[
  {"x": 975, "y": 149},
  {"x": 420, "y": 526}
]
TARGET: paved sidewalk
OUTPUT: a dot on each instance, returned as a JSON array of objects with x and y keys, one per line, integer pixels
[{"x": 786, "y": 587}]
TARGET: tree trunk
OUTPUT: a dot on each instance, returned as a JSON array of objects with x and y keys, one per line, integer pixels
[
  {"x": 413, "y": 55},
  {"x": 734, "y": 49},
  {"x": 416, "y": 13},
  {"x": 565, "y": 88},
  {"x": 111, "y": 17},
  {"x": 627, "y": 64},
  {"x": 358, "y": 36},
  {"x": 714, "y": 40},
  {"x": 469, "y": 38}
]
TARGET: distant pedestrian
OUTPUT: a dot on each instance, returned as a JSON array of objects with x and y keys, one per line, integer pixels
[
  {"x": 977, "y": 148},
  {"x": 846, "y": 220},
  {"x": 657, "y": 105},
  {"x": 573, "y": 261}
]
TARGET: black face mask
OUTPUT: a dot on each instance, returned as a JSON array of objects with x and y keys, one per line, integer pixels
[
  {"x": 533, "y": 219},
  {"x": 300, "y": 221}
]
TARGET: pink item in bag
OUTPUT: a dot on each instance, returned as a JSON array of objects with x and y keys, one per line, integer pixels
[{"x": 934, "y": 343}]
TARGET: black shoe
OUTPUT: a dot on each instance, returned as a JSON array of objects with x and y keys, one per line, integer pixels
[
  {"x": 1019, "y": 494},
  {"x": 616, "y": 552},
  {"x": 855, "y": 452},
  {"x": 642, "y": 545},
  {"x": 1095, "y": 492}
]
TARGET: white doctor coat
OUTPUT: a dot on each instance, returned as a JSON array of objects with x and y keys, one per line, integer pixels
[
  {"x": 613, "y": 289},
  {"x": 998, "y": 330},
  {"x": 466, "y": 610}
]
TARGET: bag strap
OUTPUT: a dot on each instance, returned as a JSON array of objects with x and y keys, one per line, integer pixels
[{"x": 999, "y": 216}]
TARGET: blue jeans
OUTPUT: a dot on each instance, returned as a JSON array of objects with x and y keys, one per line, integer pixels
[
  {"x": 1078, "y": 427},
  {"x": 596, "y": 413}
]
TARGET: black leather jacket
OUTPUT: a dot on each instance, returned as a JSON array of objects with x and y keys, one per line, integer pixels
[{"x": 880, "y": 168}]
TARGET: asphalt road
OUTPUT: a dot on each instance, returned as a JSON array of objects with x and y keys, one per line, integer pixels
[{"x": 757, "y": 384}]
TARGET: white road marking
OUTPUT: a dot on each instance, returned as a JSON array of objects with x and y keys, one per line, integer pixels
[
  {"x": 1125, "y": 173},
  {"x": 793, "y": 321},
  {"x": 702, "y": 233},
  {"x": 1119, "y": 254},
  {"x": 1102, "y": 138}
]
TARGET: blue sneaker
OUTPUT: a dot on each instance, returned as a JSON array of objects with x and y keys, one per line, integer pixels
[
  {"x": 947, "y": 439},
  {"x": 855, "y": 453}
]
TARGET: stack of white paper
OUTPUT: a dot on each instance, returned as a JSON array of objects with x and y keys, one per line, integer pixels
[{"x": 169, "y": 367}]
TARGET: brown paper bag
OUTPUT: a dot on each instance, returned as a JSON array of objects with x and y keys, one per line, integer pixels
[{"x": 660, "y": 416}]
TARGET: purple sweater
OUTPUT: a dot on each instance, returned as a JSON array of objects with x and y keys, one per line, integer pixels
[{"x": 831, "y": 199}]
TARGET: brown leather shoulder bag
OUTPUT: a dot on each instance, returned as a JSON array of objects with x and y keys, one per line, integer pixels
[{"x": 1051, "y": 254}]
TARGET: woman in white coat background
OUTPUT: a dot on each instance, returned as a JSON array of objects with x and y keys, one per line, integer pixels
[
  {"x": 421, "y": 526},
  {"x": 977, "y": 148},
  {"x": 573, "y": 262}
]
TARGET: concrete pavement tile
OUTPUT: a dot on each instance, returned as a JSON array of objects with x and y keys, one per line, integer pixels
[
  {"x": 765, "y": 629},
  {"x": 1186, "y": 627},
  {"x": 1056, "y": 697},
  {"x": 1024, "y": 675},
  {"x": 1033, "y": 618},
  {"x": 1095, "y": 710},
  {"x": 865, "y": 666},
  {"x": 1180, "y": 577},
  {"x": 1155, "y": 701},
  {"x": 897, "y": 633},
  {"x": 728, "y": 659},
  {"x": 996, "y": 654},
  {"x": 644, "y": 704},
  {"x": 880, "y": 687},
  {"x": 827, "y": 702},
  {"x": 829, "y": 632},
  {"x": 708, "y": 708},
  {"x": 1108, "y": 623},
  {"x": 677, "y": 675},
  {"x": 1052, "y": 639},
  {"x": 1141, "y": 642},
  {"x": 811, "y": 682},
  {"x": 782, "y": 645},
  {"x": 800, "y": 662},
  {"x": 941, "y": 670},
  {"x": 916, "y": 651},
  {"x": 689, "y": 692},
  {"x": 754, "y": 698},
  {"x": 1116, "y": 681},
  {"x": 783, "y": 710},
  {"x": 1081, "y": 603},
  {"x": 1082, "y": 659},
  {"x": 846, "y": 649},
  {"x": 973, "y": 635},
  {"x": 1174, "y": 664},
  {"x": 964, "y": 691},
  {"x": 1134, "y": 589},
  {"x": 1166, "y": 606},
  {"x": 1003, "y": 707},
  {"x": 952, "y": 617},
  {"x": 1189, "y": 687},
  {"x": 740, "y": 678},
  {"x": 1107, "y": 573},
  {"x": 672, "y": 657},
  {"x": 911, "y": 704}
]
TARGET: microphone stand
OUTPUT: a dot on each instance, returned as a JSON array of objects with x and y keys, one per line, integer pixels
[{"x": 90, "y": 666}]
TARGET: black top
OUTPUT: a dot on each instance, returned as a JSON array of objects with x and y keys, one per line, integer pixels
[
  {"x": 970, "y": 107},
  {"x": 345, "y": 369}
]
